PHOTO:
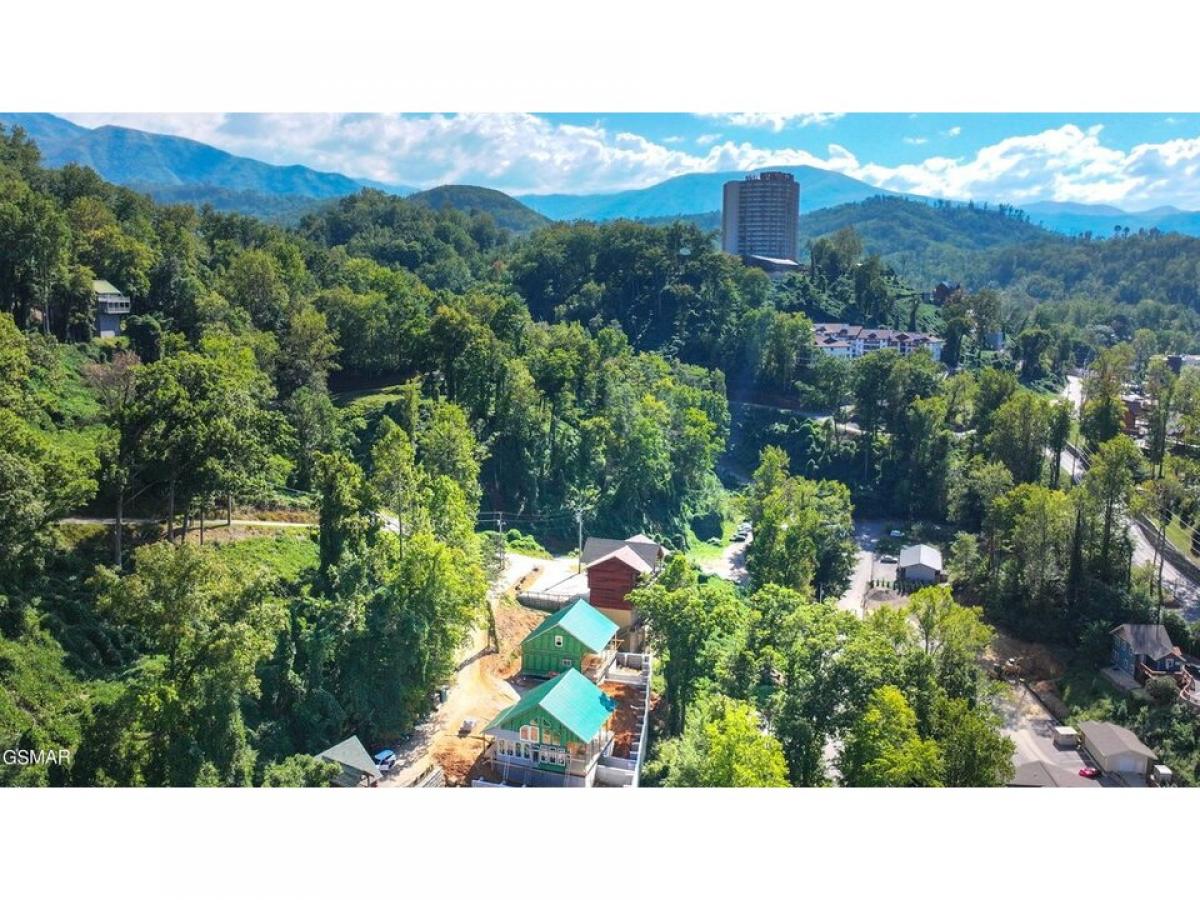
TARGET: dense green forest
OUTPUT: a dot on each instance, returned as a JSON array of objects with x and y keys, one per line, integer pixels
[
  {"x": 1114, "y": 283},
  {"x": 177, "y": 664},
  {"x": 404, "y": 372}
]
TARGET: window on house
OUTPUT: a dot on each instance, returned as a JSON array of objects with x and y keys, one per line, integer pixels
[
  {"x": 558, "y": 640},
  {"x": 529, "y": 733},
  {"x": 566, "y": 663}
]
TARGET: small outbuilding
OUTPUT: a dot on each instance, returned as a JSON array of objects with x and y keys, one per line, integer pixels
[
  {"x": 920, "y": 562},
  {"x": 1117, "y": 750},
  {"x": 1066, "y": 736},
  {"x": 358, "y": 769}
]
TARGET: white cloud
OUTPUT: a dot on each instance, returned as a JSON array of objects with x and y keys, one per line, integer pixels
[
  {"x": 1067, "y": 163},
  {"x": 515, "y": 152},
  {"x": 673, "y": 139},
  {"x": 917, "y": 141},
  {"x": 953, "y": 132},
  {"x": 776, "y": 121}
]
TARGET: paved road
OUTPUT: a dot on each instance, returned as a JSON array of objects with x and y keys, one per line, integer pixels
[
  {"x": 731, "y": 564},
  {"x": 867, "y": 533},
  {"x": 1073, "y": 391},
  {"x": 1186, "y": 590},
  {"x": 1031, "y": 728},
  {"x": 212, "y": 525}
]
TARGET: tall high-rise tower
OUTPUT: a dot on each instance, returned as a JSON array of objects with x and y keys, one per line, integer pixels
[{"x": 759, "y": 215}]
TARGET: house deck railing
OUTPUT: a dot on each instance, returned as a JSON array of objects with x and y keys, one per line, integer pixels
[
  {"x": 546, "y": 601},
  {"x": 599, "y": 664},
  {"x": 1189, "y": 691}
]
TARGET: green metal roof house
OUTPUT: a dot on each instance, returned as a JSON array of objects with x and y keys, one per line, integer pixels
[
  {"x": 555, "y": 734},
  {"x": 578, "y": 637}
]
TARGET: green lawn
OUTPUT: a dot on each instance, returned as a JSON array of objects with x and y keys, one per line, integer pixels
[
  {"x": 1181, "y": 539},
  {"x": 284, "y": 555},
  {"x": 701, "y": 551},
  {"x": 366, "y": 399}
]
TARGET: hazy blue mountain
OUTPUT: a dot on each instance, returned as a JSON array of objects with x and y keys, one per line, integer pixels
[
  {"x": 151, "y": 161},
  {"x": 1101, "y": 220},
  {"x": 175, "y": 169},
  {"x": 696, "y": 193},
  {"x": 507, "y": 212}
]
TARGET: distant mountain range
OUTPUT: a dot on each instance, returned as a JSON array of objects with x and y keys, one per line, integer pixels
[
  {"x": 179, "y": 170},
  {"x": 167, "y": 167},
  {"x": 696, "y": 193},
  {"x": 1100, "y": 220}
]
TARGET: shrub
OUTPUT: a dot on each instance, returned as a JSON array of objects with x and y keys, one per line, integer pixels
[{"x": 1162, "y": 689}]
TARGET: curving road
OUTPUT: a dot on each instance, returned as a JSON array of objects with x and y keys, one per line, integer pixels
[{"x": 1186, "y": 591}]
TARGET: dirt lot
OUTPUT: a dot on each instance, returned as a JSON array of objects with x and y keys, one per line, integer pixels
[
  {"x": 482, "y": 690},
  {"x": 1036, "y": 662},
  {"x": 625, "y": 721},
  {"x": 875, "y": 598},
  {"x": 220, "y": 533}
]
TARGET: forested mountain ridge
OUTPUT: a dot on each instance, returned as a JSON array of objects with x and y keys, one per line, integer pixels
[
  {"x": 1002, "y": 248},
  {"x": 506, "y": 211},
  {"x": 1103, "y": 221},
  {"x": 154, "y": 162}
]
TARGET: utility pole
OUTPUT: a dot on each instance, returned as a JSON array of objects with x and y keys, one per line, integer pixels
[
  {"x": 579, "y": 545},
  {"x": 503, "y": 541}
]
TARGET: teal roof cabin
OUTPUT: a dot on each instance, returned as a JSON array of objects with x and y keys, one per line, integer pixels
[
  {"x": 577, "y": 637},
  {"x": 559, "y": 730}
]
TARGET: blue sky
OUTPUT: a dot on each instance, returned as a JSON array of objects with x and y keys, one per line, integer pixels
[{"x": 1136, "y": 161}]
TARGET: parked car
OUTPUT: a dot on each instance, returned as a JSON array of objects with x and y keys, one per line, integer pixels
[
  {"x": 738, "y": 537},
  {"x": 385, "y": 760},
  {"x": 895, "y": 533},
  {"x": 466, "y": 727},
  {"x": 888, "y": 559},
  {"x": 1089, "y": 772}
]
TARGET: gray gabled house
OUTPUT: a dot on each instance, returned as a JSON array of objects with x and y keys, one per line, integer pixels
[
  {"x": 920, "y": 562},
  {"x": 358, "y": 769}
]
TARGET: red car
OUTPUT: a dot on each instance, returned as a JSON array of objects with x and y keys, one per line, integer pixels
[{"x": 1089, "y": 772}]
